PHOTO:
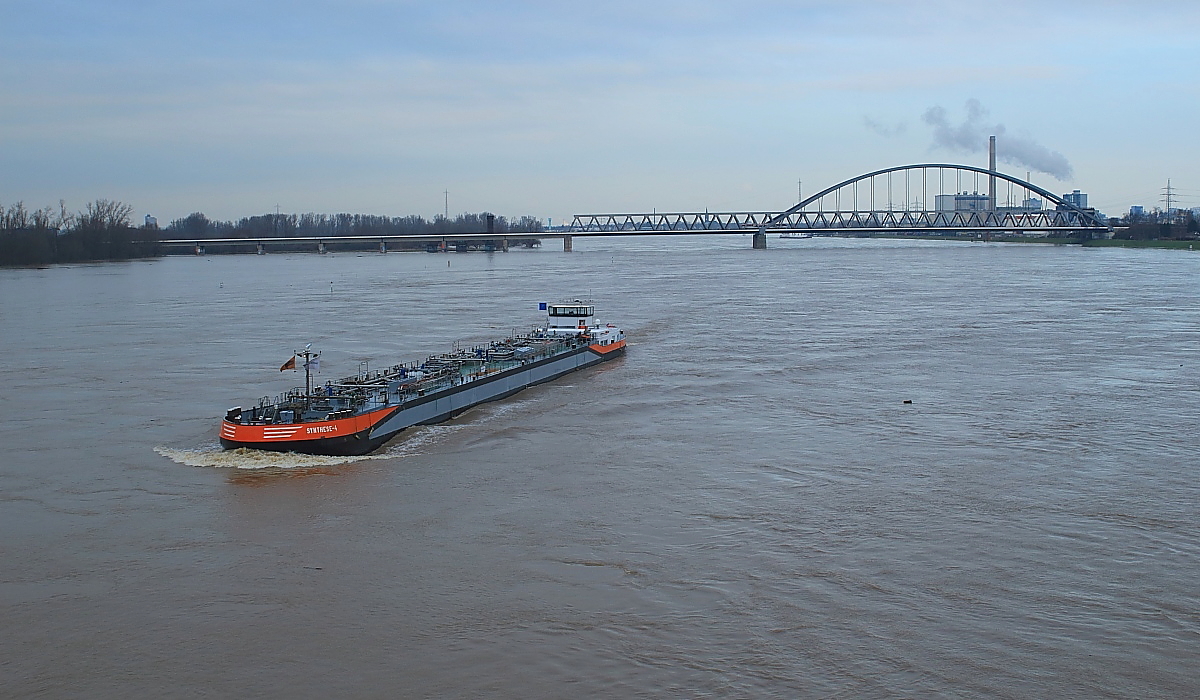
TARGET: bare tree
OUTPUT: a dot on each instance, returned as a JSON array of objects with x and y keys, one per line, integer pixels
[
  {"x": 43, "y": 219},
  {"x": 106, "y": 214},
  {"x": 15, "y": 218},
  {"x": 65, "y": 218}
]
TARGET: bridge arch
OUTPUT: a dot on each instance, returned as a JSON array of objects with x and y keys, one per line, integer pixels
[{"x": 1061, "y": 203}]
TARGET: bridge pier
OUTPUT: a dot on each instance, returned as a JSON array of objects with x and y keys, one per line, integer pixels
[
  {"x": 262, "y": 249},
  {"x": 760, "y": 241},
  {"x": 566, "y": 244},
  {"x": 199, "y": 249},
  {"x": 382, "y": 246},
  {"x": 504, "y": 245},
  {"x": 321, "y": 247}
]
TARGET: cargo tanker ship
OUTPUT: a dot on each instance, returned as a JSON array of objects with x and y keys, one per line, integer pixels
[{"x": 356, "y": 415}]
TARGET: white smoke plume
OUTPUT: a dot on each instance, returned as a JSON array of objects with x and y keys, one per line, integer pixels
[{"x": 971, "y": 136}]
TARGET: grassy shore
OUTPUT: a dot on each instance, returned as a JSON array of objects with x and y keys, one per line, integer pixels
[
  {"x": 981, "y": 239},
  {"x": 1096, "y": 243},
  {"x": 1122, "y": 243}
]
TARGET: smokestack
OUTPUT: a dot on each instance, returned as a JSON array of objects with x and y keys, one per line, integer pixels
[{"x": 992, "y": 178}]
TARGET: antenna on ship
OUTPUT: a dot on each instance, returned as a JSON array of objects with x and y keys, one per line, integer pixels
[{"x": 310, "y": 363}]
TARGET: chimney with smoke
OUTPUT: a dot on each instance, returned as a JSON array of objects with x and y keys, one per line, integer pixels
[
  {"x": 992, "y": 178},
  {"x": 968, "y": 137}
]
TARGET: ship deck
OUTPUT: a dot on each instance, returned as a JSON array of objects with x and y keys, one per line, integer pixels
[{"x": 399, "y": 384}]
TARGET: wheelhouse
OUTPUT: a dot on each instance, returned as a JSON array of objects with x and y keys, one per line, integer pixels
[{"x": 572, "y": 315}]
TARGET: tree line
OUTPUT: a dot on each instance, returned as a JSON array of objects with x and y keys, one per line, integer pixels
[
  {"x": 104, "y": 230},
  {"x": 1157, "y": 225},
  {"x": 199, "y": 226}
]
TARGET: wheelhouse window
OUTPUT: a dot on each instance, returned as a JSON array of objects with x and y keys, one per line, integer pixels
[{"x": 571, "y": 310}]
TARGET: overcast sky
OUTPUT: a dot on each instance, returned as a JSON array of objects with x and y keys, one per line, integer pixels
[{"x": 562, "y": 107}]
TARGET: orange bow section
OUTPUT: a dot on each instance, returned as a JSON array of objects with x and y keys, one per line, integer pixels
[{"x": 284, "y": 432}]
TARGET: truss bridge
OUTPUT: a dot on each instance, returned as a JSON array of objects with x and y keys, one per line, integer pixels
[{"x": 921, "y": 199}]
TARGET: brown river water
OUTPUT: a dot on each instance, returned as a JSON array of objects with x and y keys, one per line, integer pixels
[{"x": 742, "y": 507}]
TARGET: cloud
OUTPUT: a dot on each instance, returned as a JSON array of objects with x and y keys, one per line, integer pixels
[
  {"x": 883, "y": 129},
  {"x": 971, "y": 136}
]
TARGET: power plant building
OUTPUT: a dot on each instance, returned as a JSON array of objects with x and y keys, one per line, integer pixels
[
  {"x": 1031, "y": 205},
  {"x": 973, "y": 201},
  {"x": 962, "y": 202}
]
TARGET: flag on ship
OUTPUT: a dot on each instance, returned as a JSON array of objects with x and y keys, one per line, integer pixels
[
  {"x": 313, "y": 365},
  {"x": 290, "y": 364}
]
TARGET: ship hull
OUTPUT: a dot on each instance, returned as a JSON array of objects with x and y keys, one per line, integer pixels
[
  {"x": 342, "y": 446},
  {"x": 363, "y": 434}
]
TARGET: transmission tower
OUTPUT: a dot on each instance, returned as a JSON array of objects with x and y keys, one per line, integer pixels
[{"x": 1168, "y": 197}]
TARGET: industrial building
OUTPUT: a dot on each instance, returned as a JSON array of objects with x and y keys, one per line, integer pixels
[
  {"x": 965, "y": 201},
  {"x": 1076, "y": 198},
  {"x": 973, "y": 201}
]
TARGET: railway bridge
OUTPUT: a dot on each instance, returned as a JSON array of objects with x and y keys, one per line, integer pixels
[{"x": 924, "y": 198}]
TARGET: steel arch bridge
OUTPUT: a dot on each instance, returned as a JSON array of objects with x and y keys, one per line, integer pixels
[{"x": 868, "y": 204}]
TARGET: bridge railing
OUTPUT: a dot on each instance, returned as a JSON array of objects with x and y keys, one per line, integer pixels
[
  {"x": 669, "y": 222},
  {"x": 715, "y": 222}
]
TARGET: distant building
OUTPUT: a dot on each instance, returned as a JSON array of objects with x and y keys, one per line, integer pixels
[
  {"x": 1079, "y": 200},
  {"x": 151, "y": 222},
  {"x": 1028, "y": 206},
  {"x": 1137, "y": 211}
]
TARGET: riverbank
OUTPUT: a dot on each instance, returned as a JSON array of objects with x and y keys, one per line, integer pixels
[
  {"x": 1087, "y": 243},
  {"x": 1126, "y": 243}
]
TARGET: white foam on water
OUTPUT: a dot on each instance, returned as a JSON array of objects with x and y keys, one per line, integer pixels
[
  {"x": 498, "y": 409},
  {"x": 246, "y": 458}
]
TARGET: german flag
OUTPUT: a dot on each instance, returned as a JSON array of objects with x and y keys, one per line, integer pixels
[{"x": 290, "y": 364}]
